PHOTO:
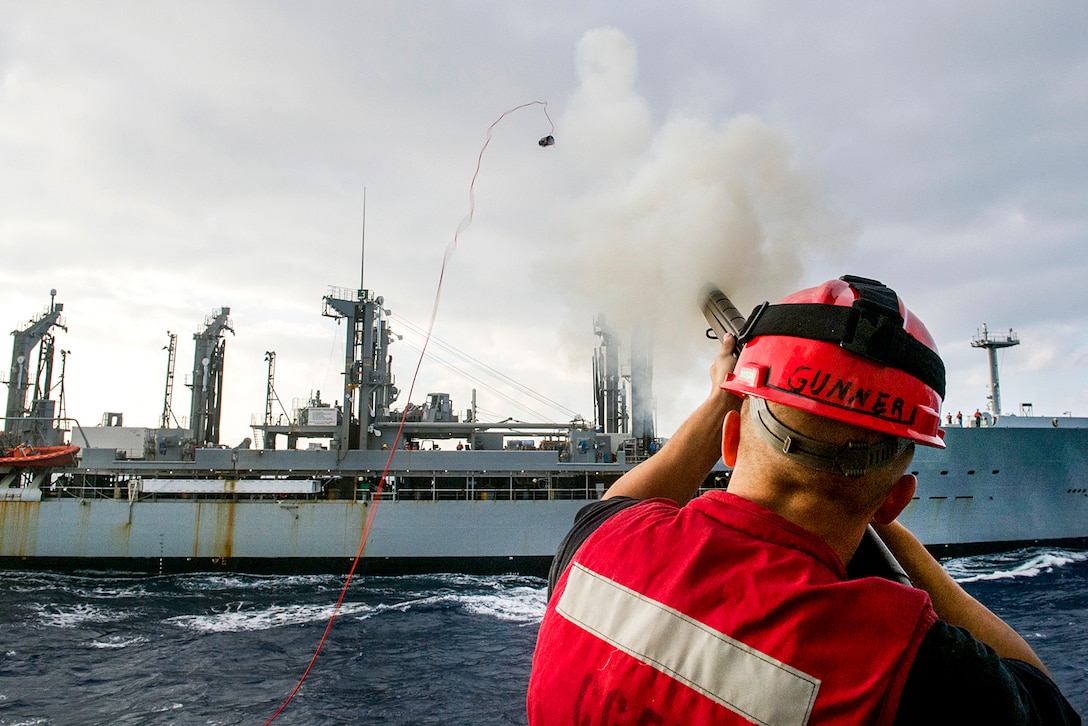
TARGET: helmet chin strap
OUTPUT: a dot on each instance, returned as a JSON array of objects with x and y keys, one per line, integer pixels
[{"x": 852, "y": 459}]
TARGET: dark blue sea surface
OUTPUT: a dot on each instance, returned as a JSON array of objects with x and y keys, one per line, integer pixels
[{"x": 96, "y": 648}]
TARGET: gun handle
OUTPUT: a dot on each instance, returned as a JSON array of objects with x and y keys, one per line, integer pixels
[{"x": 721, "y": 314}]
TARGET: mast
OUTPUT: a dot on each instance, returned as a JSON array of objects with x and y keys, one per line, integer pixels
[
  {"x": 168, "y": 395},
  {"x": 270, "y": 389},
  {"x": 991, "y": 344},
  {"x": 62, "y": 411},
  {"x": 362, "y": 245}
]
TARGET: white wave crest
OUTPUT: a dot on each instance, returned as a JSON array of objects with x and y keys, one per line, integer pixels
[
  {"x": 73, "y": 616},
  {"x": 238, "y": 617},
  {"x": 1011, "y": 565},
  {"x": 517, "y": 604},
  {"x": 520, "y": 605},
  {"x": 118, "y": 641},
  {"x": 218, "y": 582},
  {"x": 80, "y": 587},
  {"x": 172, "y": 706}
]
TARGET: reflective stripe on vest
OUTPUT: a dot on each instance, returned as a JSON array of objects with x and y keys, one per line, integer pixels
[{"x": 734, "y": 675}]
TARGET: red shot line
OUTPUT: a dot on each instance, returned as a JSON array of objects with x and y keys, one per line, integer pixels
[{"x": 373, "y": 508}]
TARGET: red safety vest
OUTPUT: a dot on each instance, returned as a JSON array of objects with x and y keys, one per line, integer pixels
[{"x": 720, "y": 612}]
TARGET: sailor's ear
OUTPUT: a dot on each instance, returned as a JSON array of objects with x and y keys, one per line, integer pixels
[
  {"x": 897, "y": 500},
  {"x": 730, "y": 437}
]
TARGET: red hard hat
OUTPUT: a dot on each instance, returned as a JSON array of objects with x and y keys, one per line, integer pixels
[{"x": 847, "y": 350}]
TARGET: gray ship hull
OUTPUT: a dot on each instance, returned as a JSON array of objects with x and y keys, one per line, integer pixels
[
  {"x": 992, "y": 489},
  {"x": 255, "y": 536},
  {"x": 996, "y": 488}
]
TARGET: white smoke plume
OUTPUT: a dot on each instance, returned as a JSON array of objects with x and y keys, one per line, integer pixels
[{"x": 661, "y": 212}]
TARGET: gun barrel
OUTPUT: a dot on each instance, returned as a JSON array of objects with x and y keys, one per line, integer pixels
[{"x": 721, "y": 313}]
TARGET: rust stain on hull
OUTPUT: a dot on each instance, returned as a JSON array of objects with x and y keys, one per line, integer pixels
[
  {"x": 224, "y": 530},
  {"x": 19, "y": 528},
  {"x": 121, "y": 537},
  {"x": 196, "y": 528},
  {"x": 213, "y": 529}
]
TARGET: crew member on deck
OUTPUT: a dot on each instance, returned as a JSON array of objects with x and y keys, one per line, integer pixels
[{"x": 771, "y": 603}]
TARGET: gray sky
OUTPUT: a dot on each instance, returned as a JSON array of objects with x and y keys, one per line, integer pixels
[{"x": 160, "y": 160}]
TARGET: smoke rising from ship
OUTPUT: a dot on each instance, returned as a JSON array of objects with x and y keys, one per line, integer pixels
[{"x": 664, "y": 209}]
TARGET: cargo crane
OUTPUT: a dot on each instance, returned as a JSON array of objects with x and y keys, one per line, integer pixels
[
  {"x": 609, "y": 399},
  {"x": 33, "y": 425},
  {"x": 368, "y": 379},
  {"x": 207, "y": 380}
]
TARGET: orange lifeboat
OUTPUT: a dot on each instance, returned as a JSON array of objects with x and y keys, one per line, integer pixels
[{"x": 24, "y": 455}]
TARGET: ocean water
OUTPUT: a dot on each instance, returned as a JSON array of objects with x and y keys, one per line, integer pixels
[{"x": 95, "y": 648}]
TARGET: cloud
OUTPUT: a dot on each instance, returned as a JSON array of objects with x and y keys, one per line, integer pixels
[{"x": 184, "y": 157}]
